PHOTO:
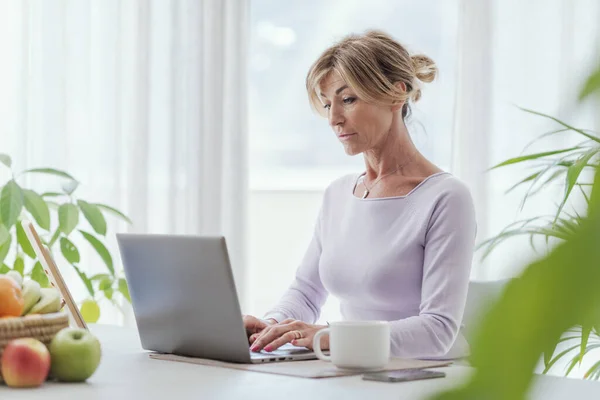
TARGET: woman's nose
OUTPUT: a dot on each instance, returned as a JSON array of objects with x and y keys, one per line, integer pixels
[{"x": 336, "y": 116}]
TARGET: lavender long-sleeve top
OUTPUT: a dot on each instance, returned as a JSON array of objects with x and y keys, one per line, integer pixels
[{"x": 404, "y": 259}]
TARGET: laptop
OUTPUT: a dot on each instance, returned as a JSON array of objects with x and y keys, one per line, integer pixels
[{"x": 185, "y": 301}]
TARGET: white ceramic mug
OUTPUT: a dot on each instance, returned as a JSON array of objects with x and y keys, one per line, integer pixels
[{"x": 356, "y": 344}]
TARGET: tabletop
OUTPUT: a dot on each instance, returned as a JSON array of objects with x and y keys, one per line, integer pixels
[{"x": 127, "y": 372}]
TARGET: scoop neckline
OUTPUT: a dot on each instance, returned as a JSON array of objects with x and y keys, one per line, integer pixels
[{"x": 394, "y": 197}]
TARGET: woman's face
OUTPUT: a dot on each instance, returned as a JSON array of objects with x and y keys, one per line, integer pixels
[{"x": 358, "y": 125}]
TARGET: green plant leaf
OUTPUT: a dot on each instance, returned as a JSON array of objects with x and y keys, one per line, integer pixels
[
  {"x": 583, "y": 193},
  {"x": 5, "y": 248},
  {"x": 4, "y": 268},
  {"x": 580, "y": 131},
  {"x": 69, "y": 251},
  {"x": 101, "y": 250},
  {"x": 591, "y": 85},
  {"x": 593, "y": 369},
  {"x": 124, "y": 289},
  {"x": 548, "y": 354},
  {"x": 38, "y": 275},
  {"x": 558, "y": 357},
  {"x": 551, "y": 133},
  {"x": 86, "y": 281},
  {"x": 511, "y": 227},
  {"x": 535, "y": 156},
  {"x": 568, "y": 226},
  {"x": 529, "y": 178},
  {"x": 11, "y": 203},
  {"x": 19, "y": 265},
  {"x": 105, "y": 283},
  {"x": 68, "y": 217},
  {"x": 23, "y": 241},
  {"x": 573, "y": 175},
  {"x": 115, "y": 212},
  {"x": 6, "y": 160},
  {"x": 94, "y": 216},
  {"x": 555, "y": 175},
  {"x": 70, "y": 186},
  {"x": 50, "y": 171},
  {"x": 578, "y": 358},
  {"x": 548, "y": 231},
  {"x": 108, "y": 293},
  {"x": 35, "y": 204},
  {"x": 4, "y": 234},
  {"x": 106, "y": 287},
  {"x": 100, "y": 277},
  {"x": 52, "y": 194},
  {"x": 532, "y": 192},
  {"x": 549, "y": 167},
  {"x": 585, "y": 336}
]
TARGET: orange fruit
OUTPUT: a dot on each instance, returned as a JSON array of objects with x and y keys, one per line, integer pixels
[{"x": 11, "y": 298}]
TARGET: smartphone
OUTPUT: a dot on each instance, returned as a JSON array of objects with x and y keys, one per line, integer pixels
[{"x": 403, "y": 375}]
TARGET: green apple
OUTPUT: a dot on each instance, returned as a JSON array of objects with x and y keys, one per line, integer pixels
[{"x": 75, "y": 354}]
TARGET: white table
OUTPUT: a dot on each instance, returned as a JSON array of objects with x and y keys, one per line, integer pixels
[{"x": 126, "y": 372}]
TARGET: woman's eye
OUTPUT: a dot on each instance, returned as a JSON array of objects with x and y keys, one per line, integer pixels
[{"x": 349, "y": 100}]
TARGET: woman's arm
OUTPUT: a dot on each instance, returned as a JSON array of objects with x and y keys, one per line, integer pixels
[
  {"x": 448, "y": 252},
  {"x": 306, "y": 295}
]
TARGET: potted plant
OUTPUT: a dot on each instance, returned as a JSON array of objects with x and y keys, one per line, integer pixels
[
  {"x": 571, "y": 167},
  {"x": 552, "y": 294},
  {"x": 58, "y": 217}
]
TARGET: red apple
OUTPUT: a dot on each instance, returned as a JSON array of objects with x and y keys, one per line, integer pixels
[{"x": 25, "y": 363}]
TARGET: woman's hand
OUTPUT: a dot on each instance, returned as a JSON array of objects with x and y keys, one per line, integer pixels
[
  {"x": 291, "y": 331},
  {"x": 255, "y": 325}
]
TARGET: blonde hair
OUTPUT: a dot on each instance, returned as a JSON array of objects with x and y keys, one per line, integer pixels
[{"x": 372, "y": 64}]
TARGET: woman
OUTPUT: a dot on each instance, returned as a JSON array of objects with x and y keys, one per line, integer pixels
[{"x": 394, "y": 243}]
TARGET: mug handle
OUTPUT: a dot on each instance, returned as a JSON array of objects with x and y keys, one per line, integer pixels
[{"x": 317, "y": 344}]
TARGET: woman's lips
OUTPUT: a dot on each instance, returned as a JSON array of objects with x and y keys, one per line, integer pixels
[{"x": 346, "y": 136}]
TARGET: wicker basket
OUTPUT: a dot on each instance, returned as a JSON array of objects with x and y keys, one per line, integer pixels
[{"x": 42, "y": 327}]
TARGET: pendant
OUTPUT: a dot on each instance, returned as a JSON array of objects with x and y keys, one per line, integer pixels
[{"x": 365, "y": 194}]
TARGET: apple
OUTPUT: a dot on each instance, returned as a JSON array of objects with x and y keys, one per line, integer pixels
[
  {"x": 25, "y": 363},
  {"x": 75, "y": 354}
]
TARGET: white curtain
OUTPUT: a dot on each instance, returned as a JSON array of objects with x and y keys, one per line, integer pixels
[
  {"x": 142, "y": 101},
  {"x": 531, "y": 54},
  {"x": 472, "y": 116}
]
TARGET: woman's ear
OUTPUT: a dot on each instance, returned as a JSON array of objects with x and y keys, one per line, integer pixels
[
  {"x": 401, "y": 85},
  {"x": 398, "y": 106}
]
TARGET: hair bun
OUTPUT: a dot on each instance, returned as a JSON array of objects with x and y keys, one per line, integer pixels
[{"x": 425, "y": 68}]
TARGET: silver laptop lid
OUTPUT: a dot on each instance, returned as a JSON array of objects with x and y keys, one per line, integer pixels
[{"x": 183, "y": 295}]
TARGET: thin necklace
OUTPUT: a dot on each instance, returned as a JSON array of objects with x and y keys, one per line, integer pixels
[{"x": 364, "y": 181}]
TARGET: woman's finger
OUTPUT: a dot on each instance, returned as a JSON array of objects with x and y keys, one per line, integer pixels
[
  {"x": 264, "y": 337},
  {"x": 253, "y": 324},
  {"x": 270, "y": 334},
  {"x": 285, "y": 338},
  {"x": 304, "y": 342},
  {"x": 253, "y": 338}
]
